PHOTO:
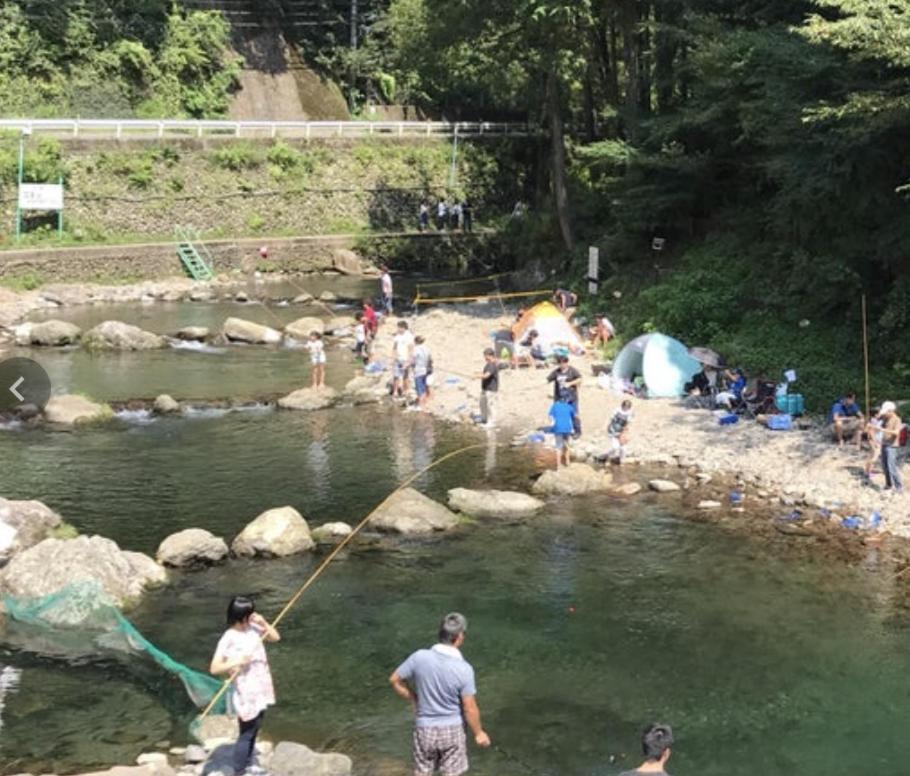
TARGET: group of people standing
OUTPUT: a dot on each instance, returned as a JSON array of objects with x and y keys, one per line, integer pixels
[
  {"x": 455, "y": 215},
  {"x": 438, "y": 682}
]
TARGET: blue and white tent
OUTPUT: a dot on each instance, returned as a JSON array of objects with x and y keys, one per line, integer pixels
[{"x": 663, "y": 362}]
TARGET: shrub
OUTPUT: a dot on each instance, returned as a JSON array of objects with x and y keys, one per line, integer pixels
[{"x": 238, "y": 157}]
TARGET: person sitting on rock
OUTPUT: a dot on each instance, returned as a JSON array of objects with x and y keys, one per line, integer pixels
[{"x": 845, "y": 419}]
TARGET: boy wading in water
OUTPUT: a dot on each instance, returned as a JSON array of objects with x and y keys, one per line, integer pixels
[
  {"x": 317, "y": 359},
  {"x": 423, "y": 364},
  {"x": 655, "y": 744},
  {"x": 241, "y": 654},
  {"x": 439, "y": 682},
  {"x": 489, "y": 388},
  {"x": 563, "y": 414},
  {"x": 618, "y": 432}
]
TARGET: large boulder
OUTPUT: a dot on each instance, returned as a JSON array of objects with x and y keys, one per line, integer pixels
[
  {"x": 572, "y": 480},
  {"x": 347, "y": 262},
  {"x": 301, "y": 328},
  {"x": 239, "y": 330},
  {"x": 365, "y": 389},
  {"x": 191, "y": 547},
  {"x": 291, "y": 759},
  {"x": 663, "y": 486},
  {"x": 308, "y": 399},
  {"x": 116, "y": 335},
  {"x": 494, "y": 503},
  {"x": 339, "y": 326},
  {"x": 24, "y": 524},
  {"x": 165, "y": 404},
  {"x": 54, "y": 333},
  {"x": 328, "y": 296},
  {"x": 410, "y": 512},
  {"x": 72, "y": 410},
  {"x": 275, "y": 533},
  {"x": 193, "y": 333},
  {"x": 54, "y": 564}
]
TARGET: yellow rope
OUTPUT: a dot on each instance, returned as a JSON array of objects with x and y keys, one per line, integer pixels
[{"x": 331, "y": 556}]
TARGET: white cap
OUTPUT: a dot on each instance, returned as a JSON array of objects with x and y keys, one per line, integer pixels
[{"x": 888, "y": 406}]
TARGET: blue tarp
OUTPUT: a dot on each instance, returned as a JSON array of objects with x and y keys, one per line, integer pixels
[{"x": 663, "y": 362}]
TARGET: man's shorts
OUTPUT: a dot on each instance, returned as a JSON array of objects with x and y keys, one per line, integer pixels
[
  {"x": 849, "y": 426},
  {"x": 401, "y": 370},
  {"x": 562, "y": 440},
  {"x": 442, "y": 748},
  {"x": 420, "y": 384}
]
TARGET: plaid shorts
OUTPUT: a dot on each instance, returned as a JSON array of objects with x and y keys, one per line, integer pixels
[{"x": 444, "y": 748}]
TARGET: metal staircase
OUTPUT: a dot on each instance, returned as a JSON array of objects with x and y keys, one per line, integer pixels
[{"x": 193, "y": 262}]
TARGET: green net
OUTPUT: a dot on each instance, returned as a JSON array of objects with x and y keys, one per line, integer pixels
[{"x": 81, "y": 617}]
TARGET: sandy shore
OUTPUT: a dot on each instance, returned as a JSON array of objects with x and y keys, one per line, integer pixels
[{"x": 789, "y": 468}]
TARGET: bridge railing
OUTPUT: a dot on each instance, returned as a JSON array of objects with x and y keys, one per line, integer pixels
[{"x": 152, "y": 128}]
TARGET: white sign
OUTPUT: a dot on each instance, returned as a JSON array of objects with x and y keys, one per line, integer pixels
[
  {"x": 41, "y": 196},
  {"x": 593, "y": 269}
]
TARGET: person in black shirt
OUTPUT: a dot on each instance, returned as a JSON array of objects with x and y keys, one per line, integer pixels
[
  {"x": 489, "y": 388},
  {"x": 566, "y": 380}
]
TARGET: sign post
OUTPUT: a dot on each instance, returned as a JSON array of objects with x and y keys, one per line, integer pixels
[
  {"x": 593, "y": 270},
  {"x": 40, "y": 196}
]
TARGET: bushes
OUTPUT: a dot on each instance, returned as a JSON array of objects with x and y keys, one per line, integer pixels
[{"x": 238, "y": 157}]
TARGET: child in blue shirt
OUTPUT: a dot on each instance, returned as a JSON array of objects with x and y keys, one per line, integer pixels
[{"x": 563, "y": 416}]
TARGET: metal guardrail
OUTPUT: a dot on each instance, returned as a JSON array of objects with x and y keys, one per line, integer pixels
[{"x": 150, "y": 128}]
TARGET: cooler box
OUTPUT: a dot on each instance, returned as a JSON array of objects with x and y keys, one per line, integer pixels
[
  {"x": 791, "y": 404},
  {"x": 782, "y": 422}
]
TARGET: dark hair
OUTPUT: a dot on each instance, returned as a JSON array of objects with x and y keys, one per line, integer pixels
[
  {"x": 562, "y": 359},
  {"x": 402, "y": 324},
  {"x": 358, "y": 316},
  {"x": 489, "y": 352},
  {"x": 533, "y": 333},
  {"x": 451, "y": 627},
  {"x": 239, "y": 609},
  {"x": 367, "y": 302},
  {"x": 419, "y": 339},
  {"x": 850, "y": 395},
  {"x": 316, "y": 334},
  {"x": 627, "y": 404},
  {"x": 655, "y": 740}
]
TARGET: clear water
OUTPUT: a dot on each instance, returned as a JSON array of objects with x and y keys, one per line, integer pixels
[{"x": 765, "y": 661}]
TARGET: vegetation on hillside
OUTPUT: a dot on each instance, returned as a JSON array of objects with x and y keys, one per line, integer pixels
[{"x": 113, "y": 58}]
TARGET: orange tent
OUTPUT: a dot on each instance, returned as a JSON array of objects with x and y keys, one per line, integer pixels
[{"x": 554, "y": 330}]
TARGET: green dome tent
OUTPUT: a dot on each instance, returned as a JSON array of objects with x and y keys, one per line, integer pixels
[{"x": 663, "y": 362}]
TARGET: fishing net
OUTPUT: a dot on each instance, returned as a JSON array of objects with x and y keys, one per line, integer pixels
[{"x": 81, "y": 619}]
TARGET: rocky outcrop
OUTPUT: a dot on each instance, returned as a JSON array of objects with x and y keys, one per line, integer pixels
[
  {"x": 54, "y": 334},
  {"x": 301, "y": 328},
  {"x": 494, "y": 503},
  {"x": 24, "y": 524},
  {"x": 116, "y": 335},
  {"x": 365, "y": 389},
  {"x": 275, "y": 533},
  {"x": 346, "y": 262},
  {"x": 308, "y": 399},
  {"x": 191, "y": 547},
  {"x": 54, "y": 564},
  {"x": 410, "y": 512},
  {"x": 165, "y": 404},
  {"x": 663, "y": 486},
  {"x": 572, "y": 480},
  {"x": 194, "y": 333},
  {"x": 331, "y": 533},
  {"x": 291, "y": 759},
  {"x": 239, "y": 330},
  {"x": 71, "y": 410}
]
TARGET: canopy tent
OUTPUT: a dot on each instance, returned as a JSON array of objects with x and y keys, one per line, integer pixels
[
  {"x": 663, "y": 362},
  {"x": 552, "y": 326}
]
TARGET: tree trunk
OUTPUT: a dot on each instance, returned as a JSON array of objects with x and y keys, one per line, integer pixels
[
  {"x": 643, "y": 41},
  {"x": 666, "y": 47},
  {"x": 629, "y": 21},
  {"x": 558, "y": 161}
]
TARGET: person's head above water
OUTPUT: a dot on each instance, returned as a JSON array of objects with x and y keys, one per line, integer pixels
[
  {"x": 452, "y": 629},
  {"x": 239, "y": 611},
  {"x": 656, "y": 743}
]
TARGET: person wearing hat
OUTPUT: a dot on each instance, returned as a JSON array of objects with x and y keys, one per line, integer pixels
[{"x": 891, "y": 434}]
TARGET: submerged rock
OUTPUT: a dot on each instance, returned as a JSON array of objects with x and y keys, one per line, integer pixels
[
  {"x": 301, "y": 328},
  {"x": 54, "y": 564},
  {"x": 572, "y": 480},
  {"x": 54, "y": 333},
  {"x": 70, "y": 410},
  {"x": 277, "y": 532},
  {"x": 303, "y": 298},
  {"x": 410, "y": 512},
  {"x": 365, "y": 389},
  {"x": 24, "y": 524},
  {"x": 116, "y": 335},
  {"x": 663, "y": 486},
  {"x": 191, "y": 547},
  {"x": 239, "y": 330},
  {"x": 494, "y": 503},
  {"x": 626, "y": 489},
  {"x": 166, "y": 405},
  {"x": 291, "y": 759},
  {"x": 331, "y": 533},
  {"x": 309, "y": 399},
  {"x": 328, "y": 296}
]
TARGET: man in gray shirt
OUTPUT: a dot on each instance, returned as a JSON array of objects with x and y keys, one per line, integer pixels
[
  {"x": 655, "y": 744},
  {"x": 440, "y": 684}
]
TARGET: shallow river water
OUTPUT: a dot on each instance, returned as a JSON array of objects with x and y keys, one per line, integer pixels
[{"x": 585, "y": 623}]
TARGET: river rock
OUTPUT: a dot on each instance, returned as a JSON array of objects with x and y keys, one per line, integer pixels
[
  {"x": 339, "y": 326},
  {"x": 301, "y": 328},
  {"x": 191, "y": 547},
  {"x": 494, "y": 503},
  {"x": 71, "y": 410},
  {"x": 626, "y": 489},
  {"x": 195, "y": 754},
  {"x": 54, "y": 333},
  {"x": 308, "y": 399},
  {"x": 303, "y": 298},
  {"x": 346, "y": 262},
  {"x": 24, "y": 524},
  {"x": 239, "y": 330},
  {"x": 663, "y": 486},
  {"x": 154, "y": 759},
  {"x": 194, "y": 333},
  {"x": 331, "y": 533},
  {"x": 166, "y": 404},
  {"x": 54, "y": 564},
  {"x": 215, "y": 727},
  {"x": 277, "y": 532},
  {"x": 116, "y": 335},
  {"x": 572, "y": 480},
  {"x": 328, "y": 296},
  {"x": 708, "y": 504},
  {"x": 291, "y": 759},
  {"x": 410, "y": 512}
]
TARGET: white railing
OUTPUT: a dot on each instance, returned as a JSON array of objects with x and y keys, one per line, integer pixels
[{"x": 151, "y": 128}]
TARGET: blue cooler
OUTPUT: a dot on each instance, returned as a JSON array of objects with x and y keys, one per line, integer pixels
[
  {"x": 791, "y": 404},
  {"x": 783, "y": 422}
]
